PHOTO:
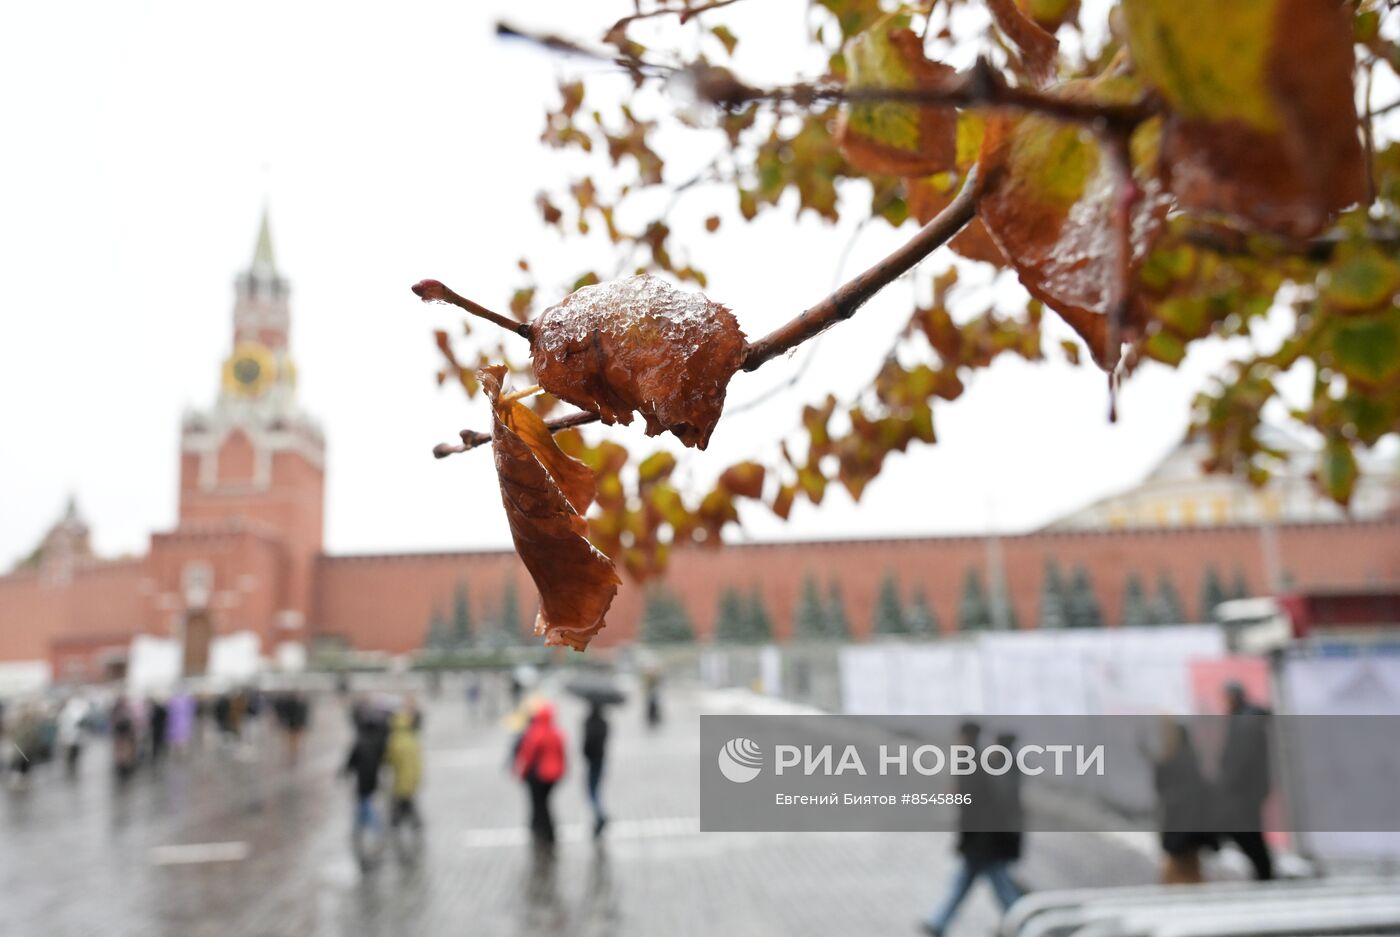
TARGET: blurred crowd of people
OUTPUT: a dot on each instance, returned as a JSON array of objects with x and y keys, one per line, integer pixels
[{"x": 143, "y": 730}]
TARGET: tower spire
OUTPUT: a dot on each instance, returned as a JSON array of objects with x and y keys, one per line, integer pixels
[{"x": 263, "y": 259}]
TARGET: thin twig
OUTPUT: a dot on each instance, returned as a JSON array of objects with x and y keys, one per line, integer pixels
[
  {"x": 980, "y": 86},
  {"x": 685, "y": 12},
  {"x": 433, "y": 291},
  {"x": 633, "y": 64},
  {"x": 843, "y": 303},
  {"x": 1368, "y": 135},
  {"x": 472, "y": 438}
]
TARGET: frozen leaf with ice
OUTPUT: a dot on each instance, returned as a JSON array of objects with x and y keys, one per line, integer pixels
[
  {"x": 1049, "y": 205},
  {"x": 639, "y": 344},
  {"x": 545, "y": 493}
]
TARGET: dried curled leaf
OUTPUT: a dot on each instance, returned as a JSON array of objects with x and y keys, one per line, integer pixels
[
  {"x": 1049, "y": 204},
  {"x": 889, "y": 136},
  {"x": 1039, "y": 49},
  {"x": 1263, "y": 117},
  {"x": 640, "y": 344},
  {"x": 545, "y": 493}
]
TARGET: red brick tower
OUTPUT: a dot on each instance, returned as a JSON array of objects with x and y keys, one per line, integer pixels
[{"x": 251, "y": 485}]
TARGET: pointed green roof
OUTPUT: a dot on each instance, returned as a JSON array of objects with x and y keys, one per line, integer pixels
[{"x": 263, "y": 260}]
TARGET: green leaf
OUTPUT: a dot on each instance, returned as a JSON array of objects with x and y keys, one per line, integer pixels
[
  {"x": 1367, "y": 349},
  {"x": 1363, "y": 280},
  {"x": 1337, "y": 471}
]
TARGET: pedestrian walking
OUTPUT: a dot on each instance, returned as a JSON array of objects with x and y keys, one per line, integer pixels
[
  {"x": 1244, "y": 778},
  {"x": 404, "y": 755},
  {"x": 180, "y": 722},
  {"x": 364, "y": 762},
  {"x": 158, "y": 715},
  {"x": 540, "y": 763},
  {"x": 1182, "y": 806},
  {"x": 595, "y": 749},
  {"x": 124, "y": 739},
  {"x": 651, "y": 688},
  {"x": 985, "y": 850},
  {"x": 72, "y": 725}
]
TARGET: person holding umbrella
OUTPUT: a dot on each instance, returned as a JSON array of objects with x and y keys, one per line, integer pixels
[{"x": 598, "y": 694}]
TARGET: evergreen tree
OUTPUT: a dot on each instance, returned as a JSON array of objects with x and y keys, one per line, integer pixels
[
  {"x": 1084, "y": 611},
  {"x": 730, "y": 624},
  {"x": 921, "y": 620},
  {"x": 1136, "y": 612},
  {"x": 759, "y": 622},
  {"x": 461, "y": 634},
  {"x": 838, "y": 625},
  {"x": 1054, "y": 598},
  {"x": 1240, "y": 588},
  {"x": 889, "y": 613},
  {"x": 436, "y": 638},
  {"x": 974, "y": 612},
  {"x": 1167, "y": 608},
  {"x": 810, "y": 619},
  {"x": 1012, "y": 621},
  {"x": 664, "y": 618},
  {"x": 1212, "y": 593}
]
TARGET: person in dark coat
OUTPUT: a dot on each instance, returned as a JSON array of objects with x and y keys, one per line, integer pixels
[
  {"x": 984, "y": 839},
  {"x": 1183, "y": 799},
  {"x": 364, "y": 762},
  {"x": 1244, "y": 778},
  {"x": 158, "y": 717},
  {"x": 595, "y": 748}
]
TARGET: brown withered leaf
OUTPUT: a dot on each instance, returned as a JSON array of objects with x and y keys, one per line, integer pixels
[
  {"x": 545, "y": 493},
  {"x": 1049, "y": 204},
  {"x": 1262, "y": 121},
  {"x": 1039, "y": 49},
  {"x": 743, "y": 480},
  {"x": 639, "y": 344},
  {"x": 893, "y": 137}
]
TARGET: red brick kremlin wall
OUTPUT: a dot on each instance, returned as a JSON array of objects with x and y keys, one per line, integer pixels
[{"x": 385, "y": 602}]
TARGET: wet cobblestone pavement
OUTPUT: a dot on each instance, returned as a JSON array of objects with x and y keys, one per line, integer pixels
[{"x": 90, "y": 857}]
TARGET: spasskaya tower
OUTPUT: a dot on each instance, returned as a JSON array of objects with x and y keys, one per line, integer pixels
[{"x": 251, "y": 484}]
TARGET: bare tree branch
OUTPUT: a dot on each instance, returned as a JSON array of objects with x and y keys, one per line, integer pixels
[
  {"x": 982, "y": 85},
  {"x": 433, "y": 291},
  {"x": 843, "y": 303},
  {"x": 472, "y": 438}
]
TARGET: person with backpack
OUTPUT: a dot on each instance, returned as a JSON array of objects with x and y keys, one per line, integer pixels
[{"x": 540, "y": 763}]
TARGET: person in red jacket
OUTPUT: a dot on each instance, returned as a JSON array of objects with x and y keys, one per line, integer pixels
[{"x": 539, "y": 762}]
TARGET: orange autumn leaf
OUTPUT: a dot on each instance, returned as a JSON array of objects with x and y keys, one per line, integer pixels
[
  {"x": 1049, "y": 204},
  {"x": 639, "y": 344},
  {"x": 1262, "y": 117},
  {"x": 545, "y": 493},
  {"x": 1039, "y": 49}
]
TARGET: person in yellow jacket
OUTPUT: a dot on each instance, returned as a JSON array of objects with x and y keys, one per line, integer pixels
[{"x": 404, "y": 755}]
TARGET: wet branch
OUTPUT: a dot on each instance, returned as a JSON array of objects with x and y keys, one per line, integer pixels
[
  {"x": 850, "y": 296},
  {"x": 432, "y": 291},
  {"x": 472, "y": 438}
]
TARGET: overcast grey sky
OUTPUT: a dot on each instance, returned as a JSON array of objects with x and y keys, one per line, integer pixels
[{"x": 395, "y": 143}]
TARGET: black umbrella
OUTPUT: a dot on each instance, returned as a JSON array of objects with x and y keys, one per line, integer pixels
[{"x": 598, "y": 691}]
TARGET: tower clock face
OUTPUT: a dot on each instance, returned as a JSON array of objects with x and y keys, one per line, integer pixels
[
  {"x": 246, "y": 371},
  {"x": 250, "y": 370}
]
